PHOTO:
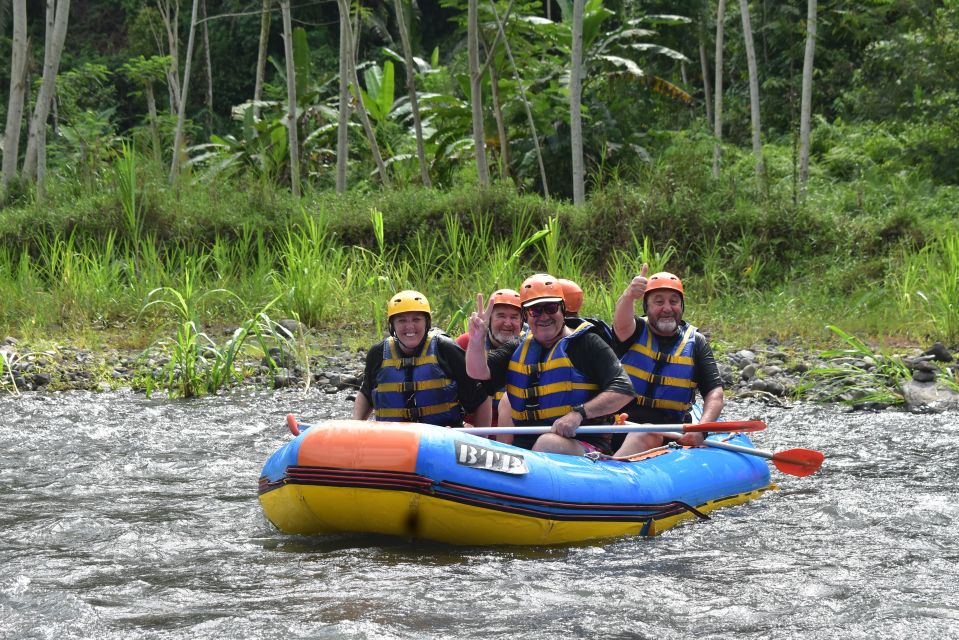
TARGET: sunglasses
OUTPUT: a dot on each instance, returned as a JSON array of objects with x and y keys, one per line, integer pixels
[{"x": 549, "y": 308}]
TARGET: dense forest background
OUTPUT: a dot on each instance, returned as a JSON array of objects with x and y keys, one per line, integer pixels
[{"x": 485, "y": 138}]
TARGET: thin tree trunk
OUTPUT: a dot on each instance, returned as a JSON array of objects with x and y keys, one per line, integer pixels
[
  {"x": 753, "y": 87},
  {"x": 575, "y": 105},
  {"x": 209, "y": 71},
  {"x": 522, "y": 93},
  {"x": 476, "y": 92},
  {"x": 342, "y": 125},
  {"x": 171, "y": 24},
  {"x": 291, "y": 120},
  {"x": 185, "y": 86},
  {"x": 261, "y": 57},
  {"x": 58, "y": 14},
  {"x": 805, "y": 110},
  {"x": 704, "y": 65},
  {"x": 411, "y": 90},
  {"x": 500, "y": 121},
  {"x": 154, "y": 126},
  {"x": 718, "y": 111},
  {"x": 361, "y": 110},
  {"x": 18, "y": 92}
]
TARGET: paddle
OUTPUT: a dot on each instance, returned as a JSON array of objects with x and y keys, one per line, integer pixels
[
  {"x": 795, "y": 462},
  {"x": 741, "y": 426}
]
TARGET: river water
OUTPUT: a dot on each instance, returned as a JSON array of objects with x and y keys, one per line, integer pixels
[{"x": 127, "y": 517}]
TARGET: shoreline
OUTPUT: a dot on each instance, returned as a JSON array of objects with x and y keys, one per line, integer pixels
[{"x": 913, "y": 379}]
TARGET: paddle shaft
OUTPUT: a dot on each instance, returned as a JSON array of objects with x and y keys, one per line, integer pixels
[{"x": 703, "y": 427}]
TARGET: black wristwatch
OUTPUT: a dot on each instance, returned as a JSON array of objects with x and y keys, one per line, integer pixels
[{"x": 581, "y": 410}]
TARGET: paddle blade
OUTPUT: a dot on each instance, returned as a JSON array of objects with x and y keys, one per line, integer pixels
[
  {"x": 292, "y": 425},
  {"x": 798, "y": 462},
  {"x": 729, "y": 426}
]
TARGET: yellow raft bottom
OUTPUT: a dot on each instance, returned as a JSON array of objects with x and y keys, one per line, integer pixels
[{"x": 314, "y": 510}]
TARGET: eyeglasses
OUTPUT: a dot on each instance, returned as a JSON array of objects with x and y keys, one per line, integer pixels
[{"x": 549, "y": 308}]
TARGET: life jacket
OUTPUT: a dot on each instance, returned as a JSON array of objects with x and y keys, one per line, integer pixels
[
  {"x": 415, "y": 388},
  {"x": 661, "y": 380},
  {"x": 542, "y": 391},
  {"x": 599, "y": 327}
]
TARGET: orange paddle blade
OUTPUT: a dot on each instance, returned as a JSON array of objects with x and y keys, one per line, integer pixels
[
  {"x": 292, "y": 425},
  {"x": 798, "y": 462}
]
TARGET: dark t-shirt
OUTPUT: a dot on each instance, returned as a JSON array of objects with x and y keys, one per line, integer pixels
[
  {"x": 705, "y": 370},
  {"x": 450, "y": 358}
]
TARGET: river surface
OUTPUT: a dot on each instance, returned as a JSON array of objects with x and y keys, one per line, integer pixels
[{"x": 127, "y": 517}]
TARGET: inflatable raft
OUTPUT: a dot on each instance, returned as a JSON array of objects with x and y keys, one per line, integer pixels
[{"x": 423, "y": 481}]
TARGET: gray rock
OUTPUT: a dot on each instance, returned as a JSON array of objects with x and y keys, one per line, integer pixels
[
  {"x": 742, "y": 358},
  {"x": 10, "y": 341},
  {"x": 929, "y": 396},
  {"x": 920, "y": 375},
  {"x": 772, "y": 370},
  {"x": 775, "y": 388},
  {"x": 41, "y": 379},
  {"x": 103, "y": 387},
  {"x": 282, "y": 378},
  {"x": 726, "y": 376},
  {"x": 939, "y": 352},
  {"x": 289, "y": 328},
  {"x": 749, "y": 372},
  {"x": 801, "y": 367},
  {"x": 759, "y": 385},
  {"x": 330, "y": 389}
]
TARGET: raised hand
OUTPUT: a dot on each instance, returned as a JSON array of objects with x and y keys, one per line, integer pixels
[
  {"x": 479, "y": 319},
  {"x": 636, "y": 288}
]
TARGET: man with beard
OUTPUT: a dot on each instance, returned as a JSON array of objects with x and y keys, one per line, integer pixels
[
  {"x": 505, "y": 323},
  {"x": 418, "y": 374},
  {"x": 666, "y": 358},
  {"x": 555, "y": 375}
]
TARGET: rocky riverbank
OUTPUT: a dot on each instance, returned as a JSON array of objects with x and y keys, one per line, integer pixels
[{"x": 920, "y": 380}]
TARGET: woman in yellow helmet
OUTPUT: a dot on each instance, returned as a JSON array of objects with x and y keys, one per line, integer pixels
[{"x": 418, "y": 374}]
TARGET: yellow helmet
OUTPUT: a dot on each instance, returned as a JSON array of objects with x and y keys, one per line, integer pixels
[{"x": 408, "y": 300}]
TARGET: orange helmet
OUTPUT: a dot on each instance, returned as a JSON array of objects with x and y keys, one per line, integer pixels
[
  {"x": 507, "y": 297},
  {"x": 664, "y": 280},
  {"x": 572, "y": 294},
  {"x": 540, "y": 287}
]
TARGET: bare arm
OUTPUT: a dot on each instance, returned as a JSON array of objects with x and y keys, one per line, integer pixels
[
  {"x": 712, "y": 406},
  {"x": 624, "y": 318},
  {"x": 361, "y": 407},
  {"x": 483, "y": 416},
  {"x": 605, "y": 403}
]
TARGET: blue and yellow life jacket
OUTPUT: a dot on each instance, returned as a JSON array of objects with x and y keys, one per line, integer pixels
[
  {"x": 663, "y": 381},
  {"x": 415, "y": 388},
  {"x": 540, "y": 392}
]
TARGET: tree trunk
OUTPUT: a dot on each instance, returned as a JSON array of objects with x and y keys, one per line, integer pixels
[
  {"x": 522, "y": 93},
  {"x": 171, "y": 24},
  {"x": 476, "y": 92},
  {"x": 18, "y": 92},
  {"x": 154, "y": 126},
  {"x": 718, "y": 111},
  {"x": 209, "y": 72},
  {"x": 261, "y": 57},
  {"x": 753, "y": 86},
  {"x": 291, "y": 120},
  {"x": 500, "y": 121},
  {"x": 411, "y": 90},
  {"x": 58, "y": 14},
  {"x": 805, "y": 110},
  {"x": 343, "y": 120},
  {"x": 355, "y": 79},
  {"x": 704, "y": 65},
  {"x": 185, "y": 86},
  {"x": 575, "y": 105}
]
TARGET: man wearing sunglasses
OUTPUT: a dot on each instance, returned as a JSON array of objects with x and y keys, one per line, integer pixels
[
  {"x": 666, "y": 358},
  {"x": 556, "y": 375}
]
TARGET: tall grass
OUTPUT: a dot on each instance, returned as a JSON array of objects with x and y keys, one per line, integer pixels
[{"x": 929, "y": 281}]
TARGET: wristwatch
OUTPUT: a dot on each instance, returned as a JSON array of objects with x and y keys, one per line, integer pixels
[{"x": 581, "y": 410}]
